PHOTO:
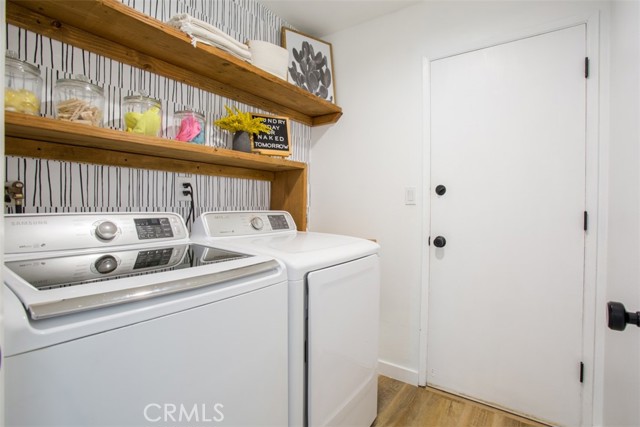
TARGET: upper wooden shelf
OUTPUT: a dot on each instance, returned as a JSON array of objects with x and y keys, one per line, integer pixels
[{"x": 112, "y": 29}]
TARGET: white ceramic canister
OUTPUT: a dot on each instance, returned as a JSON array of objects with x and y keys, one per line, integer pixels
[{"x": 270, "y": 57}]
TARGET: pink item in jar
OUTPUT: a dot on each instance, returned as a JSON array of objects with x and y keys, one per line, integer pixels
[{"x": 189, "y": 129}]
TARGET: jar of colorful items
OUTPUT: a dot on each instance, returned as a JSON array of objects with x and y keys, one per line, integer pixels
[
  {"x": 22, "y": 86},
  {"x": 142, "y": 115},
  {"x": 188, "y": 126},
  {"x": 77, "y": 100}
]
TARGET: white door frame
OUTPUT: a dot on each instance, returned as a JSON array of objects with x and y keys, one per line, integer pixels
[{"x": 596, "y": 196}]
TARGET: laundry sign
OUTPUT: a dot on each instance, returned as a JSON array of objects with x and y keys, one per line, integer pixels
[{"x": 276, "y": 142}]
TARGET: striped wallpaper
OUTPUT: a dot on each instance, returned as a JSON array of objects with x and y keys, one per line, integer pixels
[{"x": 56, "y": 186}]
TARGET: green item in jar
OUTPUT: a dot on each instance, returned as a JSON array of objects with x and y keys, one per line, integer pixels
[
  {"x": 22, "y": 101},
  {"x": 147, "y": 123}
]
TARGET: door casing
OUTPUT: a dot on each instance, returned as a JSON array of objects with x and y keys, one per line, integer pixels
[{"x": 595, "y": 237}]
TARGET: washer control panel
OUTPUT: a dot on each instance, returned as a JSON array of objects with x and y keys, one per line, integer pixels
[
  {"x": 67, "y": 231},
  {"x": 153, "y": 228},
  {"x": 241, "y": 223}
]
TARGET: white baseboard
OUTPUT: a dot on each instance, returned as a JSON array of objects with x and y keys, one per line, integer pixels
[{"x": 397, "y": 372}]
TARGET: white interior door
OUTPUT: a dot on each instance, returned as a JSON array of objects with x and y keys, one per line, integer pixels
[{"x": 505, "y": 292}]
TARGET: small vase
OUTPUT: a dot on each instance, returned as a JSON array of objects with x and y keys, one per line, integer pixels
[{"x": 241, "y": 142}]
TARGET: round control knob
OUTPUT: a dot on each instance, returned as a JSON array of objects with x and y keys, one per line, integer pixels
[
  {"x": 440, "y": 190},
  {"x": 439, "y": 242},
  {"x": 106, "y": 264},
  {"x": 106, "y": 230},
  {"x": 257, "y": 223}
]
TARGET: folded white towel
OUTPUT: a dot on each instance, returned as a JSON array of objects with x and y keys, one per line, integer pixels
[{"x": 202, "y": 32}]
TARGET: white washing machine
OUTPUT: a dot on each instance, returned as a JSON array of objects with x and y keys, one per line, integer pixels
[
  {"x": 334, "y": 288},
  {"x": 117, "y": 319}
]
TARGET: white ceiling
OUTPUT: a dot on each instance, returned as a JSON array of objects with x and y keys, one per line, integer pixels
[{"x": 321, "y": 17}]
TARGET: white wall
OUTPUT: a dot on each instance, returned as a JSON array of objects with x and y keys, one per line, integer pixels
[
  {"x": 622, "y": 349},
  {"x": 361, "y": 165}
]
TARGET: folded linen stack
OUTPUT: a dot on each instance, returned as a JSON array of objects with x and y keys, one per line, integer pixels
[{"x": 200, "y": 31}]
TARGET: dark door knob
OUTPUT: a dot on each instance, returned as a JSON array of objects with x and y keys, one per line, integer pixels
[
  {"x": 618, "y": 317},
  {"x": 439, "y": 242},
  {"x": 440, "y": 190}
]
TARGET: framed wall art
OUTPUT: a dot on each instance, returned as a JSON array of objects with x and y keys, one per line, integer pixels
[{"x": 310, "y": 64}]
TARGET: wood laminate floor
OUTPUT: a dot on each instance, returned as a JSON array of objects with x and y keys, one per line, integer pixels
[{"x": 404, "y": 405}]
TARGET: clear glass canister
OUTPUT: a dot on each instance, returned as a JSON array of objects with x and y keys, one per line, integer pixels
[
  {"x": 188, "y": 126},
  {"x": 142, "y": 115},
  {"x": 22, "y": 86},
  {"x": 77, "y": 100}
]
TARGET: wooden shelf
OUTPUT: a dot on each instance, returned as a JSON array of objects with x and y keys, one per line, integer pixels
[
  {"x": 58, "y": 140},
  {"x": 112, "y": 29}
]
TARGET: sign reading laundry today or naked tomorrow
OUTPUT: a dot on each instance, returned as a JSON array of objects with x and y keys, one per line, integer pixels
[{"x": 276, "y": 142}]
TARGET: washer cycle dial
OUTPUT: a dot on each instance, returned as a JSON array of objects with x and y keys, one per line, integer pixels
[
  {"x": 106, "y": 264},
  {"x": 257, "y": 223},
  {"x": 106, "y": 230}
]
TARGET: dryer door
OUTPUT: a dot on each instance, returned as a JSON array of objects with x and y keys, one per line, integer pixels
[{"x": 342, "y": 343}]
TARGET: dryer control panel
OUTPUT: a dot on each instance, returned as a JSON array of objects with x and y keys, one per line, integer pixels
[{"x": 243, "y": 223}]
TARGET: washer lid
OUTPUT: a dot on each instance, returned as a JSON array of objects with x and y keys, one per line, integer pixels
[
  {"x": 57, "y": 285},
  {"x": 79, "y": 269}
]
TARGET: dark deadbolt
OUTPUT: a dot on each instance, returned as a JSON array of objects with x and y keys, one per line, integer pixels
[
  {"x": 618, "y": 317},
  {"x": 439, "y": 242},
  {"x": 440, "y": 190}
]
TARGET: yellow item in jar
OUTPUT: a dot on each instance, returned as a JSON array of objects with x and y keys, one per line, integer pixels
[
  {"x": 147, "y": 123},
  {"x": 22, "y": 101}
]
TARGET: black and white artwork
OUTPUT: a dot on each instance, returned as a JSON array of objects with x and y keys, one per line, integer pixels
[{"x": 310, "y": 64}]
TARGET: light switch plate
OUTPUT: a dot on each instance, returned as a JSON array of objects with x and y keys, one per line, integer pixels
[{"x": 410, "y": 195}]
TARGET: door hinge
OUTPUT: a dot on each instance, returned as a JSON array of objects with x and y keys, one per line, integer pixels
[
  {"x": 585, "y": 224},
  {"x": 586, "y": 67},
  {"x": 581, "y": 372},
  {"x": 586, "y": 221}
]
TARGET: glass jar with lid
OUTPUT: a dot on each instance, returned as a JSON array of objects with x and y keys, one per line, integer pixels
[
  {"x": 142, "y": 115},
  {"x": 78, "y": 100},
  {"x": 22, "y": 86},
  {"x": 188, "y": 126}
]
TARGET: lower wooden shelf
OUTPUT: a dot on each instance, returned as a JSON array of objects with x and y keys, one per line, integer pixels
[{"x": 46, "y": 138}]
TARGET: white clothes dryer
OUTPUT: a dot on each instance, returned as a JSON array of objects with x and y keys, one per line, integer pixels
[{"x": 334, "y": 288}]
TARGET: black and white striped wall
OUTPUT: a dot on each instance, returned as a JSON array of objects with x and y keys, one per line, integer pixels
[{"x": 56, "y": 186}]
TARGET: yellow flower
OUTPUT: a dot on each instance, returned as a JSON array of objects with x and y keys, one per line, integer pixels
[{"x": 242, "y": 122}]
